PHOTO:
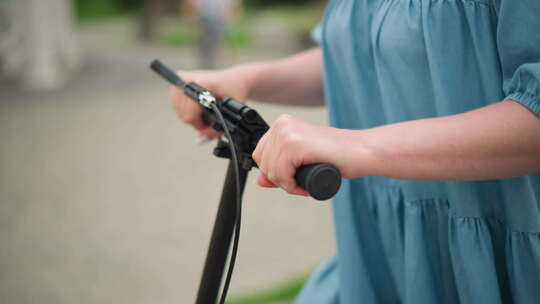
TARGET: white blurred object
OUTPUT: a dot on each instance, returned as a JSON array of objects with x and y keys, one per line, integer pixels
[
  {"x": 214, "y": 19},
  {"x": 219, "y": 8},
  {"x": 37, "y": 42}
]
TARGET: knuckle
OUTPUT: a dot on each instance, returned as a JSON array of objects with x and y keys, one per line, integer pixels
[
  {"x": 288, "y": 187},
  {"x": 283, "y": 120},
  {"x": 262, "y": 167},
  {"x": 189, "y": 118},
  {"x": 291, "y": 140},
  {"x": 174, "y": 91},
  {"x": 256, "y": 157},
  {"x": 284, "y": 117},
  {"x": 175, "y": 99},
  {"x": 272, "y": 177}
]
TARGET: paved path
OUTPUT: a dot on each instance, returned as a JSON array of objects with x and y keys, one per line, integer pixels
[{"x": 105, "y": 197}]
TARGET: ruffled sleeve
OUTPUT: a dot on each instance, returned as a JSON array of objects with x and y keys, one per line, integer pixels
[
  {"x": 518, "y": 41},
  {"x": 316, "y": 33}
]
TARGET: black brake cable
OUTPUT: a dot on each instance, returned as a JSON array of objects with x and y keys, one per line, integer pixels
[
  {"x": 207, "y": 100},
  {"x": 238, "y": 219}
]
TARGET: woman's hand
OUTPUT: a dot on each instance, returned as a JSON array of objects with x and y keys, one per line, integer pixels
[
  {"x": 221, "y": 83},
  {"x": 291, "y": 143},
  {"x": 263, "y": 81}
]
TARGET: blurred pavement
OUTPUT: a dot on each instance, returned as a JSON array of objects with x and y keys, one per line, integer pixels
[{"x": 106, "y": 198}]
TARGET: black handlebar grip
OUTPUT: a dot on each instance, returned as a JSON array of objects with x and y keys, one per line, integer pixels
[{"x": 321, "y": 181}]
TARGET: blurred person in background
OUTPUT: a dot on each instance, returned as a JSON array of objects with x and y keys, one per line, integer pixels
[
  {"x": 214, "y": 17},
  {"x": 434, "y": 107}
]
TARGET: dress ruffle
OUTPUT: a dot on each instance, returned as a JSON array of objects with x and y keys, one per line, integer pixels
[{"x": 431, "y": 256}]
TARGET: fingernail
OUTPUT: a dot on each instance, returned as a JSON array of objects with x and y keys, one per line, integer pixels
[{"x": 202, "y": 139}]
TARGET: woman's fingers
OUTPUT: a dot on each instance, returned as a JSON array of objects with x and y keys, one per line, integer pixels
[
  {"x": 264, "y": 182},
  {"x": 257, "y": 154},
  {"x": 276, "y": 153},
  {"x": 298, "y": 191},
  {"x": 192, "y": 115},
  {"x": 209, "y": 133},
  {"x": 284, "y": 171},
  {"x": 270, "y": 159}
]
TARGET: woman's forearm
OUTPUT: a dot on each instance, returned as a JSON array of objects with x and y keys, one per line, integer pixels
[
  {"x": 496, "y": 141},
  {"x": 296, "y": 80}
]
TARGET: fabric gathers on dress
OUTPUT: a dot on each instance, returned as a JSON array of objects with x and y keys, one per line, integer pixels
[{"x": 424, "y": 242}]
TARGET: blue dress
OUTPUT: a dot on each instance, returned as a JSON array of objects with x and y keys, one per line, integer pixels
[{"x": 426, "y": 242}]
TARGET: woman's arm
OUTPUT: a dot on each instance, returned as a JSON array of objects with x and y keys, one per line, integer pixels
[
  {"x": 496, "y": 141},
  {"x": 295, "y": 80}
]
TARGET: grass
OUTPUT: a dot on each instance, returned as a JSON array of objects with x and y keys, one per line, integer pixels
[
  {"x": 298, "y": 19},
  {"x": 182, "y": 33},
  {"x": 282, "y": 293},
  {"x": 87, "y": 10},
  {"x": 177, "y": 34},
  {"x": 239, "y": 37}
]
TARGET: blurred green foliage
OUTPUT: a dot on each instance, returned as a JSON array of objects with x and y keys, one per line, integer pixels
[
  {"x": 182, "y": 33},
  {"x": 283, "y": 293},
  {"x": 267, "y": 3},
  {"x": 177, "y": 34},
  {"x": 300, "y": 20},
  {"x": 99, "y": 9},
  {"x": 239, "y": 37}
]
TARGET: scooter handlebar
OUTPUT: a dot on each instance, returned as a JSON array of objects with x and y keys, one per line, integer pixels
[{"x": 321, "y": 181}]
